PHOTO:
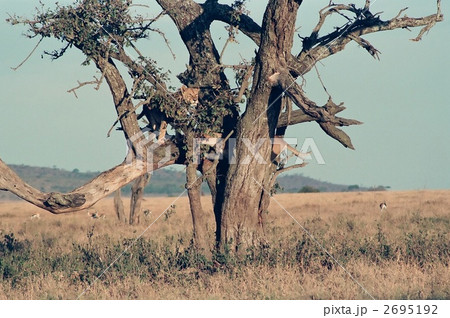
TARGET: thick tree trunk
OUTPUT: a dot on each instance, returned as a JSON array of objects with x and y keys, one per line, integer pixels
[
  {"x": 246, "y": 190},
  {"x": 137, "y": 193},
  {"x": 246, "y": 185}
]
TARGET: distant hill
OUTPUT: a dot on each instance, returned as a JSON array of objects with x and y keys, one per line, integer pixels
[
  {"x": 164, "y": 182},
  {"x": 298, "y": 183}
]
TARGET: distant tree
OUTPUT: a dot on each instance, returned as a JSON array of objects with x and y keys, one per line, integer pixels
[
  {"x": 353, "y": 187},
  {"x": 308, "y": 189},
  {"x": 378, "y": 188},
  {"x": 255, "y": 112}
]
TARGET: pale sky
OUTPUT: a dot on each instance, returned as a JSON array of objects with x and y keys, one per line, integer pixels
[{"x": 402, "y": 99}]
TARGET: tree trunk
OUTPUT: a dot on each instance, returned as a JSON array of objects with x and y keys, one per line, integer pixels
[
  {"x": 246, "y": 185},
  {"x": 193, "y": 187},
  {"x": 246, "y": 189},
  {"x": 209, "y": 170},
  {"x": 199, "y": 217},
  {"x": 137, "y": 193},
  {"x": 118, "y": 206}
]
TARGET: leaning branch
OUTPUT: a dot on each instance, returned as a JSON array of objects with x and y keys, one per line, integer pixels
[{"x": 87, "y": 195}]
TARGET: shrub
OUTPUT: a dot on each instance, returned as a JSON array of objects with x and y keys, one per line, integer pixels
[{"x": 308, "y": 189}]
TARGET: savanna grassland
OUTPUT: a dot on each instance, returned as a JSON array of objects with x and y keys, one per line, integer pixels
[{"x": 399, "y": 253}]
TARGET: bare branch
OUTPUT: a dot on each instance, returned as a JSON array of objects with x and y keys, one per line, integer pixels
[
  {"x": 286, "y": 169},
  {"x": 431, "y": 24},
  {"x": 305, "y": 60},
  {"x": 139, "y": 5},
  {"x": 327, "y": 11},
  {"x": 366, "y": 45},
  {"x": 81, "y": 84},
  {"x": 337, "y": 134},
  {"x": 87, "y": 195},
  {"x": 321, "y": 82},
  {"x": 162, "y": 13},
  {"x": 295, "y": 117},
  {"x": 97, "y": 81},
  {"x": 29, "y": 55},
  {"x": 165, "y": 40},
  {"x": 231, "y": 38},
  {"x": 400, "y": 13},
  {"x": 325, "y": 116},
  {"x": 245, "y": 83},
  {"x": 336, "y": 41}
]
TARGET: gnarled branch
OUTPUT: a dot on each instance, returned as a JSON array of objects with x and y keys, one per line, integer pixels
[
  {"x": 325, "y": 116},
  {"x": 90, "y": 193},
  {"x": 336, "y": 41}
]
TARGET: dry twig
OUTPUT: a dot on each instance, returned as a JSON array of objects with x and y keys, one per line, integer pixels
[{"x": 29, "y": 55}]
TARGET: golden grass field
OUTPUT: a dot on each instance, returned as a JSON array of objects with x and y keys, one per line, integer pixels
[{"x": 399, "y": 253}]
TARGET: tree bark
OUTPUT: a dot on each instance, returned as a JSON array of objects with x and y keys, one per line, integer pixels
[
  {"x": 137, "y": 193},
  {"x": 199, "y": 217},
  {"x": 193, "y": 187},
  {"x": 209, "y": 171},
  {"x": 248, "y": 178},
  {"x": 87, "y": 195},
  {"x": 193, "y": 21},
  {"x": 118, "y": 206}
]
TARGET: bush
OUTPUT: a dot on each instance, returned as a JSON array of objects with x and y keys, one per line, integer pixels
[{"x": 308, "y": 189}]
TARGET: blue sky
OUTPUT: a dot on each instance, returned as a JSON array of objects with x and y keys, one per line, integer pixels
[{"x": 402, "y": 99}]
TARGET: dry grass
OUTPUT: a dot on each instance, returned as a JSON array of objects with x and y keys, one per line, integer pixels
[{"x": 401, "y": 253}]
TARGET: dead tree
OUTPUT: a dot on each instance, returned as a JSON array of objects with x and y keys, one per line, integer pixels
[{"x": 105, "y": 32}]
